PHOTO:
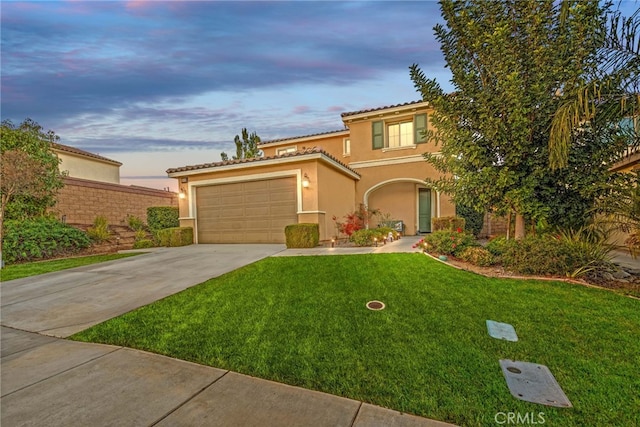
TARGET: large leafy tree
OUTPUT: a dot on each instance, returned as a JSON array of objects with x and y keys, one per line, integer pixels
[
  {"x": 510, "y": 60},
  {"x": 29, "y": 173},
  {"x": 246, "y": 148}
]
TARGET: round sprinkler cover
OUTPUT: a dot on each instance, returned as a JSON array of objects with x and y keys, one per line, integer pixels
[{"x": 375, "y": 305}]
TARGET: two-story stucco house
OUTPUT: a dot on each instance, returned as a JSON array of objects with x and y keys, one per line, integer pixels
[{"x": 376, "y": 160}]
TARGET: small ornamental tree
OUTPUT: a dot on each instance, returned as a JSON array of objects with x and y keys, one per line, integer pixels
[{"x": 29, "y": 174}]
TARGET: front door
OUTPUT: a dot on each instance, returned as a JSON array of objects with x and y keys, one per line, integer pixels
[{"x": 424, "y": 210}]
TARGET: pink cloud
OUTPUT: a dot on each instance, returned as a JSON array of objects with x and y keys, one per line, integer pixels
[
  {"x": 301, "y": 109},
  {"x": 335, "y": 109}
]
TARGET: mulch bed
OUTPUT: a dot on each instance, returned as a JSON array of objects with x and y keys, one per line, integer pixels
[{"x": 629, "y": 284}]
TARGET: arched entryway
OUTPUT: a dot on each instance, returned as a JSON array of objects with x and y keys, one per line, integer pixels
[{"x": 406, "y": 199}]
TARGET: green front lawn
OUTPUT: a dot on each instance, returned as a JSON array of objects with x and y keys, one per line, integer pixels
[
  {"x": 18, "y": 271},
  {"x": 303, "y": 321}
]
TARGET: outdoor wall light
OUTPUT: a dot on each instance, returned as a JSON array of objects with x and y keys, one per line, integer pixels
[
  {"x": 305, "y": 181},
  {"x": 182, "y": 194}
]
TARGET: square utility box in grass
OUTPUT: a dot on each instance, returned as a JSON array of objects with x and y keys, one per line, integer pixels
[
  {"x": 302, "y": 235},
  {"x": 175, "y": 236}
]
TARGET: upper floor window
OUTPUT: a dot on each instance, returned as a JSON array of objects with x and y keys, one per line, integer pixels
[
  {"x": 346, "y": 146},
  {"x": 396, "y": 134},
  {"x": 286, "y": 150}
]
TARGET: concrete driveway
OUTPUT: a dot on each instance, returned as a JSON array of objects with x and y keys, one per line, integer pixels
[{"x": 65, "y": 302}]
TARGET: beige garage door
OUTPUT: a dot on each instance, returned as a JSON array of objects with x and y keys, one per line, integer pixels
[{"x": 246, "y": 212}]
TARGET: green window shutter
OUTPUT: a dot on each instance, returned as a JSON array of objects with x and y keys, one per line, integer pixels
[
  {"x": 377, "y": 130},
  {"x": 420, "y": 128}
]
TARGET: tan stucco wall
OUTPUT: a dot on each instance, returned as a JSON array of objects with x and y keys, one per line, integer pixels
[
  {"x": 336, "y": 197},
  {"x": 318, "y": 202},
  {"x": 85, "y": 168},
  {"x": 361, "y": 138}
]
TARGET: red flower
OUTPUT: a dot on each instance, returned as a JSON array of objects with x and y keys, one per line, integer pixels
[{"x": 459, "y": 230}]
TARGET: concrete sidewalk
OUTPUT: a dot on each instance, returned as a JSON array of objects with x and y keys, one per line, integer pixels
[
  {"x": 48, "y": 381},
  {"x": 51, "y": 382}
]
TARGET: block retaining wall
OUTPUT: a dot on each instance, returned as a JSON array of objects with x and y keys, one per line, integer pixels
[{"x": 80, "y": 201}]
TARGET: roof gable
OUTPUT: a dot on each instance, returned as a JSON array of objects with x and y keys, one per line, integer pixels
[
  {"x": 78, "y": 152},
  {"x": 298, "y": 155}
]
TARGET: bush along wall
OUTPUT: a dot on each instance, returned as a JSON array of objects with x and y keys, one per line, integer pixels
[
  {"x": 40, "y": 238},
  {"x": 175, "y": 236},
  {"x": 160, "y": 217},
  {"x": 302, "y": 235}
]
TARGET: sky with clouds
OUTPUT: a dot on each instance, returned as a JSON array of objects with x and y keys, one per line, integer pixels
[
  {"x": 165, "y": 84},
  {"x": 160, "y": 84}
]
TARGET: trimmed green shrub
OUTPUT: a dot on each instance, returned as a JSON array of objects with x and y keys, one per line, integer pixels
[
  {"x": 477, "y": 255},
  {"x": 175, "y": 236},
  {"x": 386, "y": 230},
  {"x": 452, "y": 223},
  {"x": 305, "y": 235},
  {"x": 548, "y": 255},
  {"x": 365, "y": 237},
  {"x": 143, "y": 244},
  {"x": 448, "y": 242},
  {"x": 40, "y": 238},
  {"x": 100, "y": 230},
  {"x": 473, "y": 220},
  {"x": 497, "y": 246},
  {"x": 160, "y": 217}
]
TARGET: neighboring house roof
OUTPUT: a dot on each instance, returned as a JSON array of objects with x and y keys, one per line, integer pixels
[
  {"x": 298, "y": 155},
  {"x": 406, "y": 104},
  {"x": 312, "y": 136},
  {"x": 79, "y": 152}
]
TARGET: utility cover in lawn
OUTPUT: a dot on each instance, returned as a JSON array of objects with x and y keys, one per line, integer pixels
[
  {"x": 502, "y": 331},
  {"x": 533, "y": 383}
]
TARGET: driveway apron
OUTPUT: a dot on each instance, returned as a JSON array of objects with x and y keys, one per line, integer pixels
[{"x": 65, "y": 302}]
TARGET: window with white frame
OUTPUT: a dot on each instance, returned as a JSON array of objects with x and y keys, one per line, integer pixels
[
  {"x": 286, "y": 150},
  {"x": 399, "y": 133},
  {"x": 346, "y": 146}
]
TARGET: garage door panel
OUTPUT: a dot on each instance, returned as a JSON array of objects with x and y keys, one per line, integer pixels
[{"x": 255, "y": 211}]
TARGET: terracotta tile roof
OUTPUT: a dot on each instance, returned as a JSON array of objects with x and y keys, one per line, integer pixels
[
  {"x": 380, "y": 108},
  {"x": 74, "y": 150},
  {"x": 253, "y": 160},
  {"x": 304, "y": 136}
]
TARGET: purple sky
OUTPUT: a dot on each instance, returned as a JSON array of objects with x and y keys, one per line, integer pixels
[
  {"x": 164, "y": 84},
  {"x": 157, "y": 84}
]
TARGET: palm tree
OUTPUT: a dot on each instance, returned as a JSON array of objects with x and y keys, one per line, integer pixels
[{"x": 612, "y": 95}]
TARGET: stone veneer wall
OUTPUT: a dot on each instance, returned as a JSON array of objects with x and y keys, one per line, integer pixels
[{"x": 80, "y": 201}]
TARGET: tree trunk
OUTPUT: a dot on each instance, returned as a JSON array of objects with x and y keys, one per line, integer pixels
[{"x": 520, "y": 227}]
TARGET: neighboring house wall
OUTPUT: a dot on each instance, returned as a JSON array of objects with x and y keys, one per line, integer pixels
[
  {"x": 80, "y": 167},
  {"x": 77, "y": 163},
  {"x": 81, "y": 201}
]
